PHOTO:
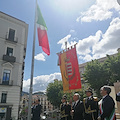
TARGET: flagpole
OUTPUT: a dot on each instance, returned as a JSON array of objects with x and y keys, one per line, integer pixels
[{"x": 32, "y": 68}]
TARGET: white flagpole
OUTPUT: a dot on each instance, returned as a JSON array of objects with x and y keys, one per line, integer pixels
[{"x": 32, "y": 68}]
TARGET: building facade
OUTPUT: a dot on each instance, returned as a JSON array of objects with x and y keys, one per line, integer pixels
[
  {"x": 13, "y": 41},
  {"x": 46, "y": 105},
  {"x": 24, "y": 101}
]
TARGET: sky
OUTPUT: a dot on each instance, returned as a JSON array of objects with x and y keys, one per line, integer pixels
[{"x": 93, "y": 24}]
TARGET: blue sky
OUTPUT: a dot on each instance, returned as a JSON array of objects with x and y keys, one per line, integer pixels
[{"x": 94, "y": 25}]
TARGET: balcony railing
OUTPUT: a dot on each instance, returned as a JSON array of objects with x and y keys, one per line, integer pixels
[
  {"x": 9, "y": 58},
  {"x": 14, "y": 40},
  {"x": 6, "y": 83}
]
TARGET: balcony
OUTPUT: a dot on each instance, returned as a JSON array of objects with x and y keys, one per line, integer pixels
[
  {"x": 5, "y": 82},
  {"x": 11, "y": 39},
  {"x": 10, "y": 83},
  {"x": 9, "y": 58}
]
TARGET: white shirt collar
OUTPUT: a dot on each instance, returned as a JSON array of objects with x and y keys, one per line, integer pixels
[
  {"x": 64, "y": 103},
  {"x": 89, "y": 97},
  {"x": 104, "y": 96},
  {"x": 76, "y": 102}
]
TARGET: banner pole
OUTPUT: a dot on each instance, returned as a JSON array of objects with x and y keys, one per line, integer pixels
[
  {"x": 32, "y": 68},
  {"x": 66, "y": 45}
]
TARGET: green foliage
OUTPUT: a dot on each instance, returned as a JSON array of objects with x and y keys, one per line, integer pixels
[
  {"x": 82, "y": 93},
  {"x": 24, "y": 111},
  {"x": 98, "y": 74},
  {"x": 112, "y": 65},
  {"x": 54, "y": 92}
]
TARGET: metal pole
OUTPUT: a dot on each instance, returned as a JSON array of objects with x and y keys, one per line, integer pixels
[
  {"x": 32, "y": 68},
  {"x": 66, "y": 45}
]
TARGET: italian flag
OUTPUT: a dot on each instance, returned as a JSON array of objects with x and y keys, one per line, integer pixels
[
  {"x": 111, "y": 117},
  {"x": 42, "y": 32}
]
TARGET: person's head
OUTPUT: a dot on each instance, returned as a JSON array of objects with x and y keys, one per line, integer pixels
[
  {"x": 37, "y": 101},
  {"x": 64, "y": 98},
  {"x": 105, "y": 90},
  {"x": 89, "y": 92},
  {"x": 76, "y": 97}
]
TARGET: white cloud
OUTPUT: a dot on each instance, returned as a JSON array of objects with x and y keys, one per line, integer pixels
[
  {"x": 72, "y": 31},
  {"x": 66, "y": 39},
  {"x": 63, "y": 40},
  {"x": 98, "y": 46},
  {"x": 101, "y": 10},
  {"x": 87, "y": 58},
  {"x": 84, "y": 45},
  {"x": 110, "y": 40},
  {"x": 40, "y": 82},
  {"x": 40, "y": 56}
]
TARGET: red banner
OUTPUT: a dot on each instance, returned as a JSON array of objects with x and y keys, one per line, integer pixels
[{"x": 70, "y": 70}]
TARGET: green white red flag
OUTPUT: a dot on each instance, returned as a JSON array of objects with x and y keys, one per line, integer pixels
[
  {"x": 111, "y": 117},
  {"x": 42, "y": 32}
]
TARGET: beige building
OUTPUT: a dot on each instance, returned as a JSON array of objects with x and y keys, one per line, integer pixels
[
  {"x": 13, "y": 41},
  {"x": 24, "y": 101},
  {"x": 46, "y": 105}
]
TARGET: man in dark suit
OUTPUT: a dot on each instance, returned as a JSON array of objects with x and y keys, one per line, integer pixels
[
  {"x": 65, "y": 109},
  {"x": 107, "y": 107},
  {"x": 36, "y": 110},
  {"x": 77, "y": 108},
  {"x": 90, "y": 105}
]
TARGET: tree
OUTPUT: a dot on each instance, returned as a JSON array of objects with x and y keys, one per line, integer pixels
[
  {"x": 95, "y": 75},
  {"x": 112, "y": 65},
  {"x": 55, "y": 92},
  {"x": 24, "y": 111},
  {"x": 98, "y": 74}
]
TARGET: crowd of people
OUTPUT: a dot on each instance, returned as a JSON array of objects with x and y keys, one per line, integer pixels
[{"x": 89, "y": 108}]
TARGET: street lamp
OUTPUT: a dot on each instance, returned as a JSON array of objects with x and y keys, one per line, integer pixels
[{"x": 118, "y": 2}]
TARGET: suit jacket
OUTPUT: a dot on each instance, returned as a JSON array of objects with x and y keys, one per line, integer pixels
[
  {"x": 108, "y": 105},
  {"x": 65, "y": 111},
  {"x": 78, "y": 111},
  {"x": 36, "y": 111},
  {"x": 91, "y": 105}
]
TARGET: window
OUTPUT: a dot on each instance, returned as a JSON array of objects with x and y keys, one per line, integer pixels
[
  {"x": 11, "y": 34},
  {"x": 23, "y": 101},
  {"x": 6, "y": 77},
  {"x": 3, "y": 97},
  {"x": 44, "y": 108},
  {"x": 9, "y": 51}
]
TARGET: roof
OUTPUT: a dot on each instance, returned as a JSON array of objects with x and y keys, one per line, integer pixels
[{"x": 12, "y": 17}]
